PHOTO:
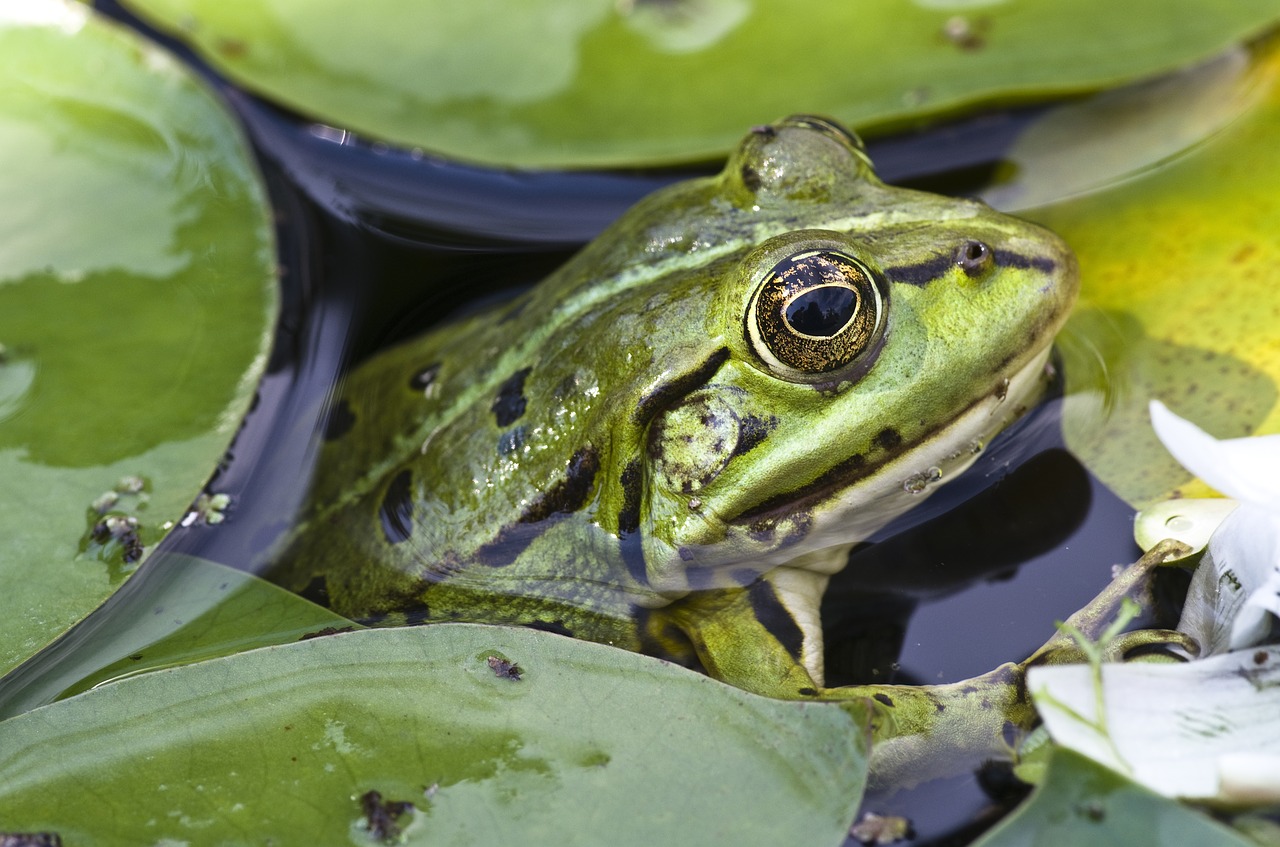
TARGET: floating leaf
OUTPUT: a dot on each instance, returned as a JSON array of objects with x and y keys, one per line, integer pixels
[
  {"x": 591, "y": 745},
  {"x": 1091, "y": 144},
  {"x": 556, "y": 83},
  {"x": 179, "y": 610},
  {"x": 1082, "y": 804},
  {"x": 137, "y": 296},
  {"x": 1180, "y": 275},
  {"x": 1190, "y": 520}
]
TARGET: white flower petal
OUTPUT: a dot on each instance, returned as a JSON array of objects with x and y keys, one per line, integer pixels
[
  {"x": 1233, "y": 592},
  {"x": 1246, "y": 469},
  {"x": 1203, "y": 730},
  {"x": 71, "y": 17}
]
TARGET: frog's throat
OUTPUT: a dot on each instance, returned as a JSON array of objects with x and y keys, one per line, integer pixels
[
  {"x": 799, "y": 584},
  {"x": 856, "y": 511},
  {"x": 901, "y": 484}
]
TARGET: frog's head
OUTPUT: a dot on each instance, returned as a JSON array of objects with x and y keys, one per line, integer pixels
[{"x": 861, "y": 344}]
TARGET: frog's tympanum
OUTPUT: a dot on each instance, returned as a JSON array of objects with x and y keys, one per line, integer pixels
[{"x": 671, "y": 443}]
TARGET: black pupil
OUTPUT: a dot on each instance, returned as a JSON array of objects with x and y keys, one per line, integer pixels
[{"x": 822, "y": 311}]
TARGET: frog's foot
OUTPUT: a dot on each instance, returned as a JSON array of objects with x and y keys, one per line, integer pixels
[
  {"x": 1132, "y": 584},
  {"x": 923, "y": 732},
  {"x": 1123, "y": 648}
]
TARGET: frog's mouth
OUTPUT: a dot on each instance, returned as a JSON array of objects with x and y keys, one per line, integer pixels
[{"x": 854, "y": 499}]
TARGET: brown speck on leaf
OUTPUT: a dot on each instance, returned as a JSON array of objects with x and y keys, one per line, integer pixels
[
  {"x": 30, "y": 839},
  {"x": 1093, "y": 811},
  {"x": 881, "y": 829},
  {"x": 504, "y": 669},
  {"x": 382, "y": 816},
  {"x": 1260, "y": 657},
  {"x": 232, "y": 48}
]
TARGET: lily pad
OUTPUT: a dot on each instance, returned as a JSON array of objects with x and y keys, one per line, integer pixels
[
  {"x": 137, "y": 297},
  {"x": 583, "y": 83},
  {"x": 285, "y": 744},
  {"x": 1082, "y": 804},
  {"x": 1180, "y": 270},
  {"x": 180, "y": 610}
]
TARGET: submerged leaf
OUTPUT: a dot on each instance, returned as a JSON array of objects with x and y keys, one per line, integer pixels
[
  {"x": 287, "y": 744},
  {"x": 137, "y": 297},
  {"x": 1179, "y": 295},
  {"x": 578, "y": 83}
]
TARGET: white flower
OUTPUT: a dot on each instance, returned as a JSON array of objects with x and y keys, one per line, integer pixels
[
  {"x": 1237, "y": 587},
  {"x": 1207, "y": 729}
]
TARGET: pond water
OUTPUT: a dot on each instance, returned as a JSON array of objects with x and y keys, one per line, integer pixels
[{"x": 379, "y": 244}]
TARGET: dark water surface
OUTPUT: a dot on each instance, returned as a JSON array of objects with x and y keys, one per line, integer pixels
[{"x": 378, "y": 244}]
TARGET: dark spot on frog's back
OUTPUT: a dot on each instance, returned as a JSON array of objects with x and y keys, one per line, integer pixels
[
  {"x": 631, "y": 481},
  {"x": 508, "y": 407},
  {"x": 396, "y": 511},
  {"x": 317, "y": 591},
  {"x": 511, "y": 440},
  {"x": 570, "y": 493},
  {"x": 30, "y": 839},
  {"x": 888, "y": 438},
  {"x": 339, "y": 421},
  {"x": 555, "y": 627},
  {"x": 752, "y": 431},
  {"x": 775, "y": 618},
  {"x": 750, "y": 178},
  {"x": 565, "y": 497}
]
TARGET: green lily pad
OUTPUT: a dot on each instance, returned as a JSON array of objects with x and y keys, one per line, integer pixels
[
  {"x": 589, "y": 745},
  {"x": 182, "y": 610},
  {"x": 137, "y": 297},
  {"x": 578, "y": 83},
  {"x": 1082, "y": 804},
  {"x": 1180, "y": 266}
]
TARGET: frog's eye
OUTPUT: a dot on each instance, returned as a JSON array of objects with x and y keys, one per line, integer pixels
[{"x": 818, "y": 316}]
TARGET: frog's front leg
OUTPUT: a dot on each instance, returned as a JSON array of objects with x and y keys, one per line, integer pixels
[
  {"x": 762, "y": 637},
  {"x": 759, "y": 637}
]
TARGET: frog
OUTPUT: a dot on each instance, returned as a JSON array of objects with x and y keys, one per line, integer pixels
[{"x": 671, "y": 443}]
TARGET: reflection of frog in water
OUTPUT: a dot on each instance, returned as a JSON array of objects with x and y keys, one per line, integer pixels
[{"x": 670, "y": 444}]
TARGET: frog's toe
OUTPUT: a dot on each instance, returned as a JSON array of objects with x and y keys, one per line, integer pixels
[{"x": 1144, "y": 642}]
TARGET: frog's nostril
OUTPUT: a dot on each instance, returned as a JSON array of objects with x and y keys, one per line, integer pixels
[{"x": 974, "y": 257}]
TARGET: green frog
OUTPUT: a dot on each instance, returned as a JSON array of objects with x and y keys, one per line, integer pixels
[{"x": 671, "y": 443}]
